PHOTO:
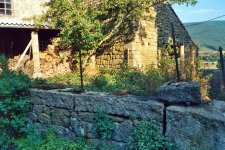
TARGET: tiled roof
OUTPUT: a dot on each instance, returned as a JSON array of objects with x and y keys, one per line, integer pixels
[{"x": 15, "y": 23}]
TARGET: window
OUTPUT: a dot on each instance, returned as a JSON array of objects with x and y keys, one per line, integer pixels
[{"x": 5, "y": 7}]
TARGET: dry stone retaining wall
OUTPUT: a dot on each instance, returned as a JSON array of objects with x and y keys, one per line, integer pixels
[{"x": 71, "y": 115}]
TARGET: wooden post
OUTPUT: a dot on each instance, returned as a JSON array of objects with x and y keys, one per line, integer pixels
[
  {"x": 222, "y": 65},
  {"x": 36, "y": 57},
  {"x": 81, "y": 72},
  {"x": 175, "y": 53},
  {"x": 193, "y": 70},
  {"x": 182, "y": 63}
]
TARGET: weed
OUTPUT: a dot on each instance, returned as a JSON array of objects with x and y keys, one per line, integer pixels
[
  {"x": 14, "y": 104},
  {"x": 147, "y": 136},
  {"x": 49, "y": 142},
  {"x": 104, "y": 124}
]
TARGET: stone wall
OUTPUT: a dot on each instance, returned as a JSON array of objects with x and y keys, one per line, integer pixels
[
  {"x": 71, "y": 115},
  {"x": 26, "y": 8},
  {"x": 153, "y": 32}
]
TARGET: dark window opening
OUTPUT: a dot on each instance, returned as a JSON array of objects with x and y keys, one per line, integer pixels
[{"x": 5, "y": 7}]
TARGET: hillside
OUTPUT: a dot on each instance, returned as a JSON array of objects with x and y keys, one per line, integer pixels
[{"x": 209, "y": 35}]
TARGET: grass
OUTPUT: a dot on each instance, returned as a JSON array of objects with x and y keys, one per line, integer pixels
[{"x": 131, "y": 81}]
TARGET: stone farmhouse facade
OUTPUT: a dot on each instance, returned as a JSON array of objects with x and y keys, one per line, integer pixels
[{"x": 149, "y": 39}]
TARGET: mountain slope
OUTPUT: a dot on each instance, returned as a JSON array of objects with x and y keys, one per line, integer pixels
[{"x": 209, "y": 35}]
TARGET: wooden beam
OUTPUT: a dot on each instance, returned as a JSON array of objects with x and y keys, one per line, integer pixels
[
  {"x": 182, "y": 63},
  {"x": 36, "y": 56},
  {"x": 22, "y": 56}
]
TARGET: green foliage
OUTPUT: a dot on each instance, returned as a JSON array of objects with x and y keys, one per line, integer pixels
[
  {"x": 204, "y": 33},
  {"x": 49, "y": 142},
  {"x": 210, "y": 58},
  {"x": 154, "y": 79},
  {"x": 147, "y": 136},
  {"x": 204, "y": 84},
  {"x": 104, "y": 124},
  {"x": 99, "y": 81},
  {"x": 14, "y": 104},
  {"x": 71, "y": 78},
  {"x": 4, "y": 62}
]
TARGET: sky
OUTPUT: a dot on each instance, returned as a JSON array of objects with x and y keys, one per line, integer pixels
[{"x": 202, "y": 11}]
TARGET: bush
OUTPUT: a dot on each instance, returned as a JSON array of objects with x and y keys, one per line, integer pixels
[
  {"x": 99, "y": 81},
  {"x": 71, "y": 78},
  {"x": 14, "y": 104},
  {"x": 104, "y": 124},
  {"x": 154, "y": 79},
  {"x": 4, "y": 62},
  {"x": 49, "y": 142},
  {"x": 147, "y": 136}
]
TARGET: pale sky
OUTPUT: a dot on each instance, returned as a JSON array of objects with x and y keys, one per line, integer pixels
[{"x": 202, "y": 11}]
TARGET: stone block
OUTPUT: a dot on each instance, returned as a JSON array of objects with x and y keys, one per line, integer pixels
[
  {"x": 201, "y": 127},
  {"x": 180, "y": 92},
  {"x": 60, "y": 117},
  {"x": 126, "y": 105},
  {"x": 80, "y": 128},
  {"x": 62, "y": 132},
  {"x": 122, "y": 132},
  {"x": 106, "y": 145},
  {"x": 38, "y": 108},
  {"x": 44, "y": 118},
  {"x": 53, "y": 98}
]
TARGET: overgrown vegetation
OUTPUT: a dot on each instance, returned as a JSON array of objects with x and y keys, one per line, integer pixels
[
  {"x": 133, "y": 81},
  {"x": 14, "y": 103},
  {"x": 104, "y": 124},
  {"x": 147, "y": 136},
  {"x": 49, "y": 142}
]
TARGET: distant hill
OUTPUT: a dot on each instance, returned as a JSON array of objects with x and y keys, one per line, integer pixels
[{"x": 209, "y": 35}]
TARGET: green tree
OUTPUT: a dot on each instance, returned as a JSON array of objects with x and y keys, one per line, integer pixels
[{"x": 88, "y": 25}]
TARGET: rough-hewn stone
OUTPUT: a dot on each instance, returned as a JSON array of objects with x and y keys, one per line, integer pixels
[
  {"x": 60, "y": 117},
  {"x": 44, "y": 118},
  {"x": 105, "y": 145},
  {"x": 180, "y": 92},
  {"x": 123, "y": 132},
  {"x": 201, "y": 127},
  {"x": 121, "y": 105},
  {"x": 55, "y": 99},
  {"x": 77, "y": 127},
  {"x": 62, "y": 132}
]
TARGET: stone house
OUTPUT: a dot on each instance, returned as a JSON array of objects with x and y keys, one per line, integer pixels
[{"x": 149, "y": 39}]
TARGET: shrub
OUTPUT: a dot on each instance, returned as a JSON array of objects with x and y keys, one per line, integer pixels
[
  {"x": 71, "y": 78},
  {"x": 147, "y": 136},
  {"x": 49, "y": 142},
  {"x": 99, "y": 81},
  {"x": 14, "y": 104},
  {"x": 104, "y": 124},
  {"x": 4, "y": 62},
  {"x": 154, "y": 79}
]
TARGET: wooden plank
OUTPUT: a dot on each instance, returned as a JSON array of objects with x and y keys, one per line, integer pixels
[
  {"x": 182, "y": 62},
  {"x": 175, "y": 53},
  {"x": 222, "y": 64},
  {"x": 22, "y": 56}
]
